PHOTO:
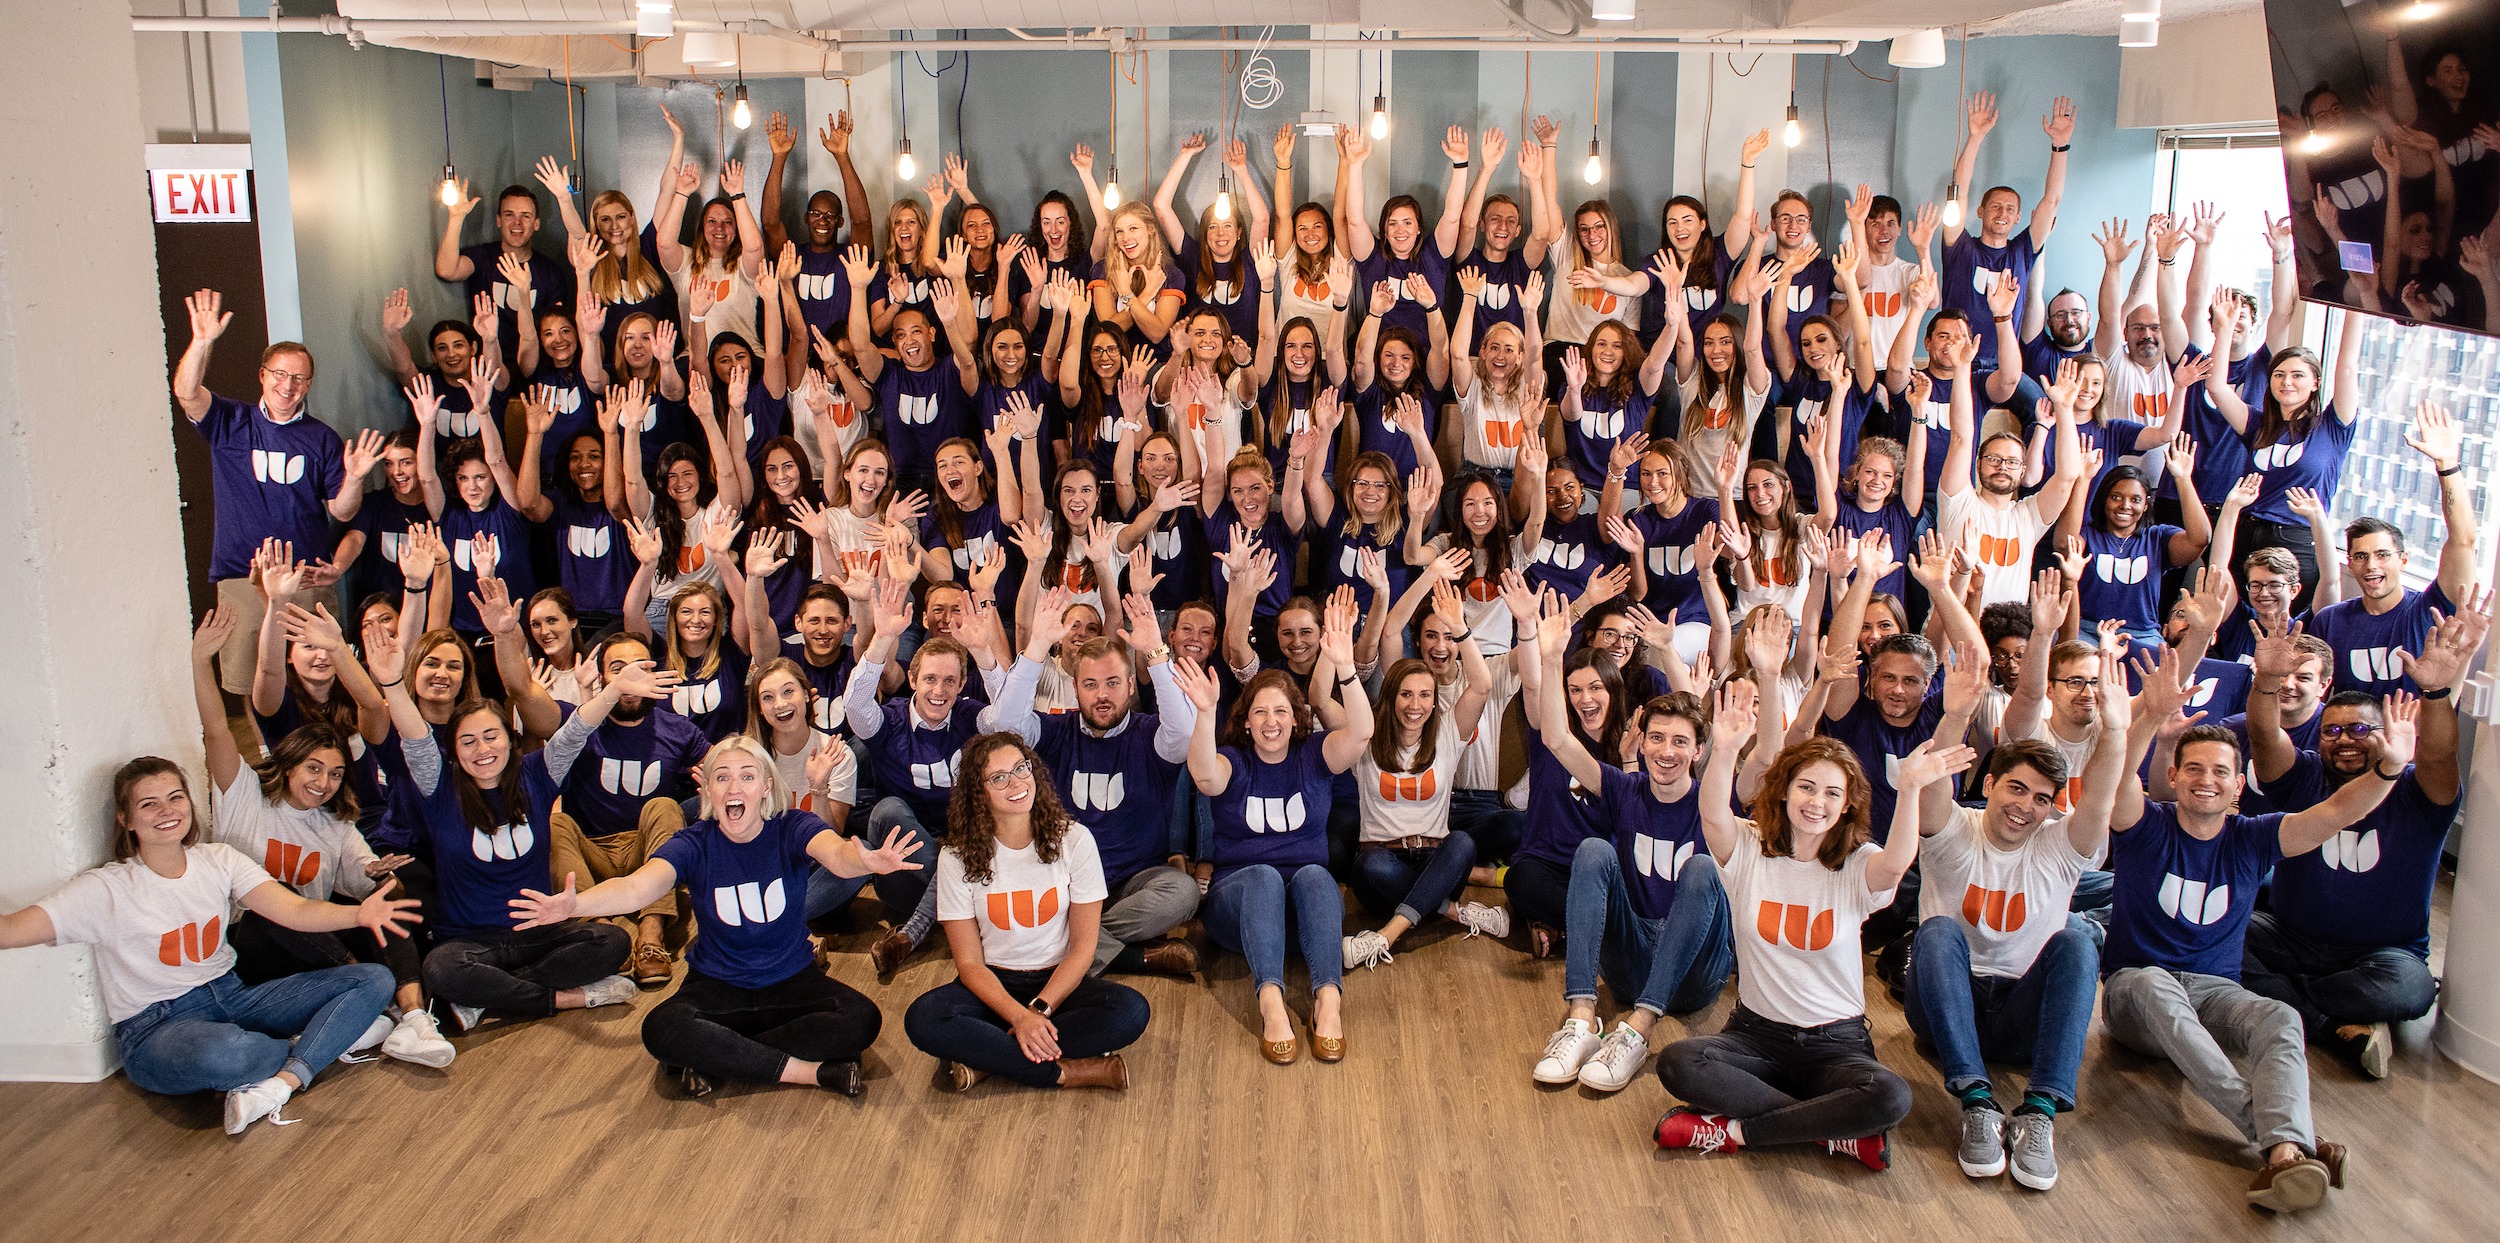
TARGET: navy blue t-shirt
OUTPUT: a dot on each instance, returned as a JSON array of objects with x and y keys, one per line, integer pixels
[
  {"x": 749, "y": 898},
  {"x": 1235, "y": 292},
  {"x": 2122, "y": 575},
  {"x": 1894, "y": 520},
  {"x": 1972, "y": 268},
  {"x": 1375, "y": 433},
  {"x": 2369, "y": 886},
  {"x": 551, "y": 285},
  {"x": 823, "y": 289},
  {"x": 623, "y": 766},
  {"x": 1573, "y": 549},
  {"x": 1653, "y": 840},
  {"x": 272, "y": 481},
  {"x": 1273, "y": 535},
  {"x": 922, "y": 410},
  {"x": 1879, "y": 746},
  {"x": 2366, "y": 644},
  {"x": 2221, "y": 454},
  {"x": 594, "y": 560},
  {"x": 1382, "y": 266},
  {"x": 2182, "y": 903},
  {"x": 716, "y": 702},
  {"x": 1505, "y": 291},
  {"x": 384, "y": 521},
  {"x": 1562, "y": 813},
  {"x": 2315, "y": 462},
  {"x": 1275, "y": 814},
  {"x": 1115, "y": 785},
  {"x": 1667, "y": 544},
  {"x": 511, "y": 533},
  {"x": 478, "y": 873}
]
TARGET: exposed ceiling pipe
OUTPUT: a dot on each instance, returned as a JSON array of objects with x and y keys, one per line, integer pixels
[{"x": 456, "y": 28}]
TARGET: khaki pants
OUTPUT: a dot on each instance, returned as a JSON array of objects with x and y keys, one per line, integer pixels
[
  {"x": 241, "y": 654},
  {"x": 593, "y": 859}
]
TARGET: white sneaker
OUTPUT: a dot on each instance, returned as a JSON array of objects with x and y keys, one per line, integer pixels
[
  {"x": 254, "y": 1101},
  {"x": 466, "y": 1018},
  {"x": 374, "y": 1035},
  {"x": 418, "y": 1039},
  {"x": 1568, "y": 1050},
  {"x": 1617, "y": 1061},
  {"x": 615, "y": 990},
  {"x": 1492, "y": 921},
  {"x": 1367, "y": 949}
]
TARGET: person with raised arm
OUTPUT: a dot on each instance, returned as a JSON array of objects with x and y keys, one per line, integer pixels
[
  {"x": 279, "y": 473},
  {"x": 1997, "y": 970},
  {"x": 2387, "y": 617},
  {"x": 1926, "y": 394},
  {"x": 1825, "y": 374},
  {"x": 183, "y": 1022},
  {"x": 594, "y": 554},
  {"x": 2187, "y": 878},
  {"x": 1592, "y": 286},
  {"x": 1644, "y": 907},
  {"x": 727, "y": 255},
  {"x": 1877, "y": 224},
  {"x": 1271, "y": 787},
  {"x": 2129, "y": 338},
  {"x": 2300, "y": 433},
  {"x": 753, "y": 1006},
  {"x": 1982, "y": 513},
  {"x": 2124, "y": 556},
  {"x": 1992, "y": 255},
  {"x": 1505, "y": 246},
  {"x": 2345, "y": 937},
  {"x": 1216, "y": 264},
  {"x": 1796, "y": 1061},
  {"x": 2244, "y": 362},
  {"x": 1400, "y": 247},
  {"x": 485, "y": 530},
  {"x": 820, "y": 287},
  {"x": 1497, "y": 372},
  {"x": 1399, "y": 377},
  {"x": 506, "y": 269},
  {"x": 1610, "y": 390},
  {"x": 455, "y": 350}
]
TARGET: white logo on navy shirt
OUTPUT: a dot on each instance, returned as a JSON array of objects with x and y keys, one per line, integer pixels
[
  {"x": 1273, "y": 815},
  {"x": 1668, "y": 559},
  {"x": 2374, "y": 664},
  {"x": 1561, "y": 556},
  {"x": 749, "y": 903},
  {"x": 584, "y": 541},
  {"x": 507, "y": 843},
  {"x": 1654, "y": 856},
  {"x": 937, "y": 776},
  {"x": 1097, "y": 791},
  {"x": 633, "y": 777},
  {"x": 699, "y": 698},
  {"x": 2116, "y": 569},
  {"x": 1601, "y": 424},
  {"x": 2351, "y": 851},
  {"x": 2276, "y": 457},
  {"x": 818, "y": 288},
  {"x": 277, "y": 466},
  {"x": 917, "y": 411},
  {"x": 2191, "y": 902}
]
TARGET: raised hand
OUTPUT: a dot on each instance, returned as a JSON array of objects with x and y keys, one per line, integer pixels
[
  {"x": 209, "y": 317},
  {"x": 1736, "y": 714},
  {"x": 210, "y": 638},
  {"x": 2436, "y": 435},
  {"x": 2059, "y": 124},
  {"x": 1927, "y": 764},
  {"x": 2392, "y": 743}
]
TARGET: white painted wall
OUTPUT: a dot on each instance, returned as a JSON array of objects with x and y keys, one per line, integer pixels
[
  {"x": 208, "y": 91},
  {"x": 90, "y": 559},
  {"x": 2212, "y": 71}
]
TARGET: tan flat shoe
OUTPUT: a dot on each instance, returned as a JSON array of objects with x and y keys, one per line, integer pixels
[{"x": 1281, "y": 1052}]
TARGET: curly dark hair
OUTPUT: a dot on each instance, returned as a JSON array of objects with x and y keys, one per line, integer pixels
[{"x": 970, "y": 832}]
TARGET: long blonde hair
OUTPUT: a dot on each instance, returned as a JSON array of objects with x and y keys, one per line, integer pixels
[
  {"x": 625, "y": 277},
  {"x": 1117, "y": 270},
  {"x": 1511, "y": 394}
]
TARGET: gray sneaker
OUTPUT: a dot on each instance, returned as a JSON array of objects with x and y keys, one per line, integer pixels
[
  {"x": 1983, "y": 1141},
  {"x": 2033, "y": 1137}
]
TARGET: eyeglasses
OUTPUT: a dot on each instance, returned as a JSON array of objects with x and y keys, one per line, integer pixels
[
  {"x": 2076, "y": 684},
  {"x": 2356, "y": 731},
  {"x": 1000, "y": 780},
  {"x": 1371, "y": 485},
  {"x": 285, "y": 379},
  {"x": 1999, "y": 459},
  {"x": 2259, "y": 587}
]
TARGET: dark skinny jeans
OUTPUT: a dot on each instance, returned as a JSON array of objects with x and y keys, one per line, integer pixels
[
  {"x": 1788, "y": 1085},
  {"x": 951, "y": 1024},
  {"x": 519, "y": 973},
  {"x": 729, "y": 1032}
]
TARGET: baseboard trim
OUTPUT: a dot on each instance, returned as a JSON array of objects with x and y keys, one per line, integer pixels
[{"x": 84, "y": 1062}]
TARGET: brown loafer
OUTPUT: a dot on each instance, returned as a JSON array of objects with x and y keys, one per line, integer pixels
[
  {"x": 1281, "y": 1052},
  {"x": 1173, "y": 958},
  {"x": 2290, "y": 1185},
  {"x": 652, "y": 966},
  {"x": 888, "y": 953},
  {"x": 2332, "y": 1155},
  {"x": 1107, "y": 1071},
  {"x": 964, "y": 1077},
  {"x": 1327, "y": 1048}
]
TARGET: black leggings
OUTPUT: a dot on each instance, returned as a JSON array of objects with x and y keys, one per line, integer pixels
[
  {"x": 729, "y": 1032},
  {"x": 265, "y": 951},
  {"x": 952, "y": 1024},
  {"x": 519, "y": 973},
  {"x": 1539, "y": 891},
  {"x": 1788, "y": 1085}
]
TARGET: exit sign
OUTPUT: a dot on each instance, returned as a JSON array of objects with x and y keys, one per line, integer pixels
[
  {"x": 187, "y": 194},
  {"x": 200, "y": 181}
]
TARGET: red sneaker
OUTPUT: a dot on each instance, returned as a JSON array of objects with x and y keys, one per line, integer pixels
[
  {"x": 1871, "y": 1151},
  {"x": 1691, "y": 1128}
]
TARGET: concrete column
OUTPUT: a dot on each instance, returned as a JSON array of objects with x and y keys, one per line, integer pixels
[
  {"x": 2469, "y": 995},
  {"x": 90, "y": 541}
]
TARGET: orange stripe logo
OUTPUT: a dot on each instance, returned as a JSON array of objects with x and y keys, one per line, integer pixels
[
  {"x": 291, "y": 864},
  {"x": 189, "y": 943},
  {"x": 1793, "y": 924},
  {"x": 1408, "y": 787},
  {"x": 1993, "y": 908},
  {"x": 1023, "y": 908}
]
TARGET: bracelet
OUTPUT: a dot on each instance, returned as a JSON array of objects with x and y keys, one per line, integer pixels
[
  {"x": 2441, "y": 693},
  {"x": 2374, "y": 771},
  {"x": 2060, "y": 148},
  {"x": 2452, "y": 470},
  {"x": 1284, "y": 168},
  {"x": 2005, "y": 319},
  {"x": 2169, "y": 261},
  {"x": 1349, "y": 679},
  {"x": 1462, "y": 636},
  {"x": 388, "y": 685},
  {"x": 739, "y": 195},
  {"x": 415, "y": 589},
  {"x": 1743, "y": 165},
  {"x": 1457, "y": 164}
]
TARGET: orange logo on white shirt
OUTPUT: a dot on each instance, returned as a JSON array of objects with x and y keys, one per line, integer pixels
[
  {"x": 1993, "y": 908},
  {"x": 1023, "y": 908},
  {"x": 290, "y": 864},
  {"x": 1800, "y": 926},
  {"x": 189, "y": 943},
  {"x": 1408, "y": 787}
]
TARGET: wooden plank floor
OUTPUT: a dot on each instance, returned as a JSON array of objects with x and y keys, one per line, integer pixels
[{"x": 1431, "y": 1130}]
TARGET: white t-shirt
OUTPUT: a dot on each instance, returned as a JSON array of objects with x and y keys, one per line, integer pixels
[
  {"x": 842, "y": 422},
  {"x": 2076, "y": 755},
  {"x": 1886, "y": 281},
  {"x": 1986, "y": 720},
  {"x": 1023, "y": 911},
  {"x": 734, "y": 303},
  {"x": 1480, "y": 760},
  {"x": 1997, "y": 539},
  {"x": 313, "y": 851},
  {"x": 1705, "y": 438},
  {"x": 2142, "y": 394},
  {"x": 1777, "y": 581},
  {"x": 694, "y": 561},
  {"x": 1404, "y": 804},
  {"x": 1796, "y": 922},
  {"x": 155, "y": 939},
  {"x": 2009, "y": 902},
  {"x": 1489, "y": 429},
  {"x": 842, "y": 786}
]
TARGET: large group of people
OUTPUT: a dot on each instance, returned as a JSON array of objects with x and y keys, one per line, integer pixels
[{"x": 1148, "y": 581}]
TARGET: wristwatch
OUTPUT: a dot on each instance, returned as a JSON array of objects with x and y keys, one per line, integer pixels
[
  {"x": 1040, "y": 1006},
  {"x": 1159, "y": 655}
]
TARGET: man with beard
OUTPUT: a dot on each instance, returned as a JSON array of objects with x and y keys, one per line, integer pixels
[
  {"x": 2129, "y": 342},
  {"x": 1996, "y": 969},
  {"x": 1116, "y": 769},
  {"x": 1988, "y": 523},
  {"x": 2055, "y": 330},
  {"x": 2298, "y": 702},
  {"x": 2187, "y": 878},
  {"x": 2345, "y": 939},
  {"x": 621, "y": 799}
]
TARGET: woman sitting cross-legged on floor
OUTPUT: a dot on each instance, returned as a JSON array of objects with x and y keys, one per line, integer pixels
[
  {"x": 1020, "y": 892},
  {"x": 753, "y": 1006}
]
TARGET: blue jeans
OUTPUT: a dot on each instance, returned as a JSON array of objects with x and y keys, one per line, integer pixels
[
  {"x": 1192, "y": 835},
  {"x": 951, "y": 1024},
  {"x": 1482, "y": 815},
  {"x": 225, "y": 1035},
  {"x": 1674, "y": 965},
  {"x": 2041, "y": 1016},
  {"x": 1253, "y": 911},
  {"x": 900, "y": 891},
  {"x": 1413, "y": 884},
  {"x": 2332, "y": 985}
]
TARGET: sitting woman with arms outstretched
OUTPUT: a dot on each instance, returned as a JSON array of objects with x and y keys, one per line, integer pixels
[
  {"x": 182, "y": 1021},
  {"x": 753, "y": 1006}
]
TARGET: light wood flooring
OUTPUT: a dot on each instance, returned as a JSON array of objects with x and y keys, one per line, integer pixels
[{"x": 1432, "y": 1129}]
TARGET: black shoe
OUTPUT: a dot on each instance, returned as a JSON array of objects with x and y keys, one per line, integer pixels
[
  {"x": 697, "y": 1084},
  {"x": 1892, "y": 966},
  {"x": 842, "y": 1077}
]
